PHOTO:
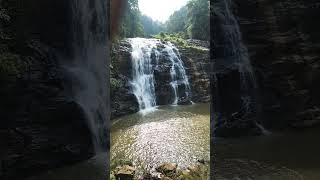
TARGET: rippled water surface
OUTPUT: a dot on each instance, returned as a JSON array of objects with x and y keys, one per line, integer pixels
[
  {"x": 285, "y": 156},
  {"x": 179, "y": 134}
]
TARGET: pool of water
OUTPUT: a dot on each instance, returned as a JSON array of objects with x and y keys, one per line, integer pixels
[
  {"x": 93, "y": 169},
  {"x": 175, "y": 134},
  {"x": 283, "y": 156}
]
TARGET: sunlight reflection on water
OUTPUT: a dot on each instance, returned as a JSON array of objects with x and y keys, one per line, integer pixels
[{"x": 179, "y": 134}]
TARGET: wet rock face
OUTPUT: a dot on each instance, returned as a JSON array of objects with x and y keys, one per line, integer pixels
[
  {"x": 123, "y": 101},
  {"x": 197, "y": 66},
  {"x": 282, "y": 39},
  {"x": 47, "y": 19},
  {"x": 36, "y": 114},
  {"x": 234, "y": 111},
  {"x": 162, "y": 77},
  {"x": 231, "y": 119}
]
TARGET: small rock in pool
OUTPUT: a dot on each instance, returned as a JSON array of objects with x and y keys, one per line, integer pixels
[
  {"x": 167, "y": 168},
  {"x": 125, "y": 172}
]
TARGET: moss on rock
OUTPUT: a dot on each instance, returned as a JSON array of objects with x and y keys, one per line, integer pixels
[{"x": 11, "y": 67}]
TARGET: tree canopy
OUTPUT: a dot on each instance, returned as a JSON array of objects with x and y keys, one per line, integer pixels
[
  {"x": 131, "y": 25},
  {"x": 190, "y": 21},
  {"x": 150, "y": 26},
  {"x": 198, "y": 19}
]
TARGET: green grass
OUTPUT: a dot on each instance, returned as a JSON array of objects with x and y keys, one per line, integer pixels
[{"x": 178, "y": 40}]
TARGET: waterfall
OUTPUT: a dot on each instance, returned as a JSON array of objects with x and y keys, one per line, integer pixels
[
  {"x": 87, "y": 71},
  {"x": 177, "y": 72},
  {"x": 142, "y": 77},
  {"x": 237, "y": 50},
  {"x": 143, "y": 66},
  {"x": 232, "y": 54}
]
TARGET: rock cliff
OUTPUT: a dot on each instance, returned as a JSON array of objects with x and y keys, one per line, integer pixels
[
  {"x": 37, "y": 115},
  {"x": 196, "y": 61},
  {"x": 282, "y": 39}
]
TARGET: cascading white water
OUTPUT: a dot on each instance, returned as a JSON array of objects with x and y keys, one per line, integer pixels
[
  {"x": 88, "y": 69},
  {"x": 142, "y": 77},
  {"x": 237, "y": 55},
  {"x": 177, "y": 72},
  {"x": 237, "y": 48},
  {"x": 143, "y": 82}
]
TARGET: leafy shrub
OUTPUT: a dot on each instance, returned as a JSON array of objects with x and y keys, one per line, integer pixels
[
  {"x": 178, "y": 39},
  {"x": 114, "y": 84}
]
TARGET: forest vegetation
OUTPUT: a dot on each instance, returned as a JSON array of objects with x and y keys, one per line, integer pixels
[{"x": 190, "y": 22}]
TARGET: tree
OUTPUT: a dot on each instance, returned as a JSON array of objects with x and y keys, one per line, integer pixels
[
  {"x": 191, "y": 21},
  {"x": 198, "y": 19},
  {"x": 131, "y": 25},
  {"x": 150, "y": 26},
  {"x": 178, "y": 21}
]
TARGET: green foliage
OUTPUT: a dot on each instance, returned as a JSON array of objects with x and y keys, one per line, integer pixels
[
  {"x": 114, "y": 84},
  {"x": 198, "y": 19},
  {"x": 131, "y": 25},
  {"x": 10, "y": 67},
  {"x": 177, "y": 22},
  {"x": 178, "y": 40},
  {"x": 161, "y": 35},
  {"x": 173, "y": 38},
  {"x": 191, "y": 21},
  {"x": 150, "y": 26}
]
